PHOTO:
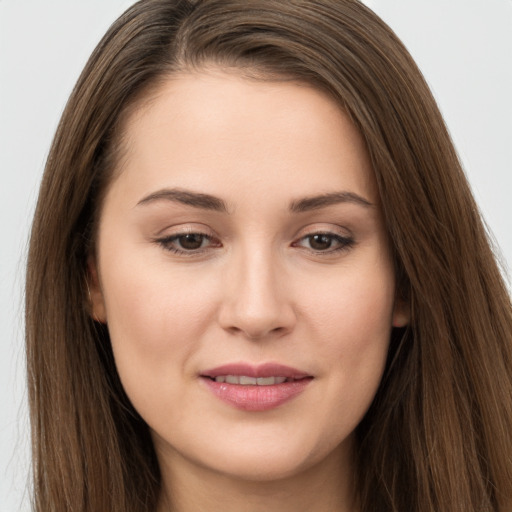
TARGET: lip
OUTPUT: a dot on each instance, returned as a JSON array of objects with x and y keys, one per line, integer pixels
[
  {"x": 262, "y": 370},
  {"x": 253, "y": 397}
]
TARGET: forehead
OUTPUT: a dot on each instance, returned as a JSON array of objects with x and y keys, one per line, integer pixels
[{"x": 216, "y": 130}]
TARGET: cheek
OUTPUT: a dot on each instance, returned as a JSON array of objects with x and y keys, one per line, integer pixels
[
  {"x": 156, "y": 317},
  {"x": 353, "y": 310},
  {"x": 351, "y": 319}
]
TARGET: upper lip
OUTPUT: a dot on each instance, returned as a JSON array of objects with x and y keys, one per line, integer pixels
[{"x": 250, "y": 370}]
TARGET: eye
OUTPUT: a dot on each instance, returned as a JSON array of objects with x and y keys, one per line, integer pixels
[
  {"x": 188, "y": 243},
  {"x": 191, "y": 241},
  {"x": 325, "y": 242}
]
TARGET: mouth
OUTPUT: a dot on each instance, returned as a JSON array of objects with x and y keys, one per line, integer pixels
[
  {"x": 244, "y": 380},
  {"x": 255, "y": 388}
]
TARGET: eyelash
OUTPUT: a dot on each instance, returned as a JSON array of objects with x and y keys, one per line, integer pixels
[
  {"x": 344, "y": 242},
  {"x": 168, "y": 243}
]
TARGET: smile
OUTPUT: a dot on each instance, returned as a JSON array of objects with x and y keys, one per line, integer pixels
[{"x": 255, "y": 388}]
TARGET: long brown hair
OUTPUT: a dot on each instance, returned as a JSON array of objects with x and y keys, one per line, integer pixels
[{"x": 438, "y": 434}]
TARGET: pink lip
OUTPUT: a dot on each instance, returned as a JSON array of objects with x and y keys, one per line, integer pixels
[
  {"x": 263, "y": 370},
  {"x": 256, "y": 398}
]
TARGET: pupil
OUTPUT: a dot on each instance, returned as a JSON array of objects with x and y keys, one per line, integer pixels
[
  {"x": 319, "y": 242},
  {"x": 191, "y": 242}
]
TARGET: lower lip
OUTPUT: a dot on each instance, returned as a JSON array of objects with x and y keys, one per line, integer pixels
[{"x": 256, "y": 398}]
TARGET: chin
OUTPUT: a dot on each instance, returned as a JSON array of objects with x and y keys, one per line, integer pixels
[
  {"x": 262, "y": 459},
  {"x": 265, "y": 467}
]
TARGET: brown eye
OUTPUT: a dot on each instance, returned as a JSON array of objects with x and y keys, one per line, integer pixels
[
  {"x": 328, "y": 243},
  {"x": 320, "y": 242},
  {"x": 191, "y": 241},
  {"x": 188, "y": 243}
]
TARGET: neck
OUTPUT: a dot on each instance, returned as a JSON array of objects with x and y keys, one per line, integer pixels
[{"x": 325, "y": 487}]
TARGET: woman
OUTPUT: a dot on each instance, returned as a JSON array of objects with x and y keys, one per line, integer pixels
[{"x": 257, "y": 278}]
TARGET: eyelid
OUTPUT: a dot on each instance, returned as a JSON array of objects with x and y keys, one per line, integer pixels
[
  {"x": 344, "y": 243},
  {"x": 184, "y": 228},
  {"x": 165, "y": 240},
  {"x": 324, "y": 229},
  {"x": 345, "y": 240}
]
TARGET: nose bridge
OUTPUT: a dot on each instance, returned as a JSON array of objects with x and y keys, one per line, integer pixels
[{"x": 256, "y": 302}]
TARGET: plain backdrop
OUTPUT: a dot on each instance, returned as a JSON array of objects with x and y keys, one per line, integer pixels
[{"x": 464, "y": 48}]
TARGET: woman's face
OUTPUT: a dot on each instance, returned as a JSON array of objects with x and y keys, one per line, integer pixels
[{"x": 242, "y": 245}]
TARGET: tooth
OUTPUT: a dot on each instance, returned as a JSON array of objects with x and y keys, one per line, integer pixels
[
  {"x": 244, "y": 380},
  {"x": 266, "y": 381},
  {"x": 251, "y": 381}
]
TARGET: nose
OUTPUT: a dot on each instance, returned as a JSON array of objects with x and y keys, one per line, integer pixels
[{"x": 256, "y": 303}]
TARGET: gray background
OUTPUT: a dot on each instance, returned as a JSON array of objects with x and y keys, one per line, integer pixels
[{"x": 464, "y": 48}]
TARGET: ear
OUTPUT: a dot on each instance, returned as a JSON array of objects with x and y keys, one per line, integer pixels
[
  {"x": 97, "y": 302},
  {"x": 401, "y": 313}
]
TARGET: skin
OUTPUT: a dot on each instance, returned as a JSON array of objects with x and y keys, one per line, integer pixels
[{"x": 257, "y": 289}]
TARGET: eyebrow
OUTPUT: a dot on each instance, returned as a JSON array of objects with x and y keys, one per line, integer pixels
[
  {"x": 209, "y": 202},
  {"x": 195, "y": 199},
  {"x": 323, "y": 200}
]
